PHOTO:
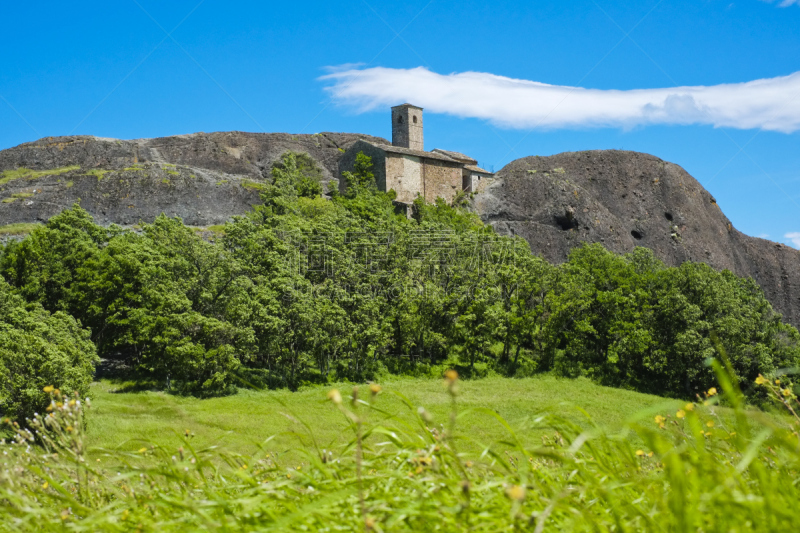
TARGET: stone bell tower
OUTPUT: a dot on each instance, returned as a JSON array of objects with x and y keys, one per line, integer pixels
[{"x": 407, "y": 127}]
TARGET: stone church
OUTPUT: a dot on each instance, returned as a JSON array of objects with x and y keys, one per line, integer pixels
[{"x": 407, "y": 168}]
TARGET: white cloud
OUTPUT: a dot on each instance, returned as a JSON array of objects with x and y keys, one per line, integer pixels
[
  {"x": 784, "y": 3},
  {"x": 794, "y": 237},
  {"x": 764, "y": 236},
  {"x": 768, "y": 104}
]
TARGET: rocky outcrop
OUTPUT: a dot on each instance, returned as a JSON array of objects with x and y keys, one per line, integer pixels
[
  {"x": 626, "y": 199},
  {"x": 617, "y": 198},
  {"x": 202, "y": 178}
]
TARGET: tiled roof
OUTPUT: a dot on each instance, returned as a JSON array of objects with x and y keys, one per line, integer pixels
[
  {"x": 416, "y": 153},
  {"x": 458, "y": 156},
  {"x": 440, "y": 155},
  {"x": 476, "y": 168}
]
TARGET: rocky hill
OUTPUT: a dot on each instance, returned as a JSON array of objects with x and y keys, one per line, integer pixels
[
  {"x": 620, "y": 199},
  {"x": 626, "y": 199},
  {"x": 202, "y": 178}
]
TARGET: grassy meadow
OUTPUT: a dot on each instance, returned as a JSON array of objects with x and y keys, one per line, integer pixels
[
  {"x": 494, "y": 454},
  {"x": 127, "y": 420}
]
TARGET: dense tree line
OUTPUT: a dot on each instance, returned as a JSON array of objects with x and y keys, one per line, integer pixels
[{"x": 306, "y": 289}]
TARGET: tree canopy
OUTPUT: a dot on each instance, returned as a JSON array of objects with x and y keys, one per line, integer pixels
[{"x": 306, "y": 289}]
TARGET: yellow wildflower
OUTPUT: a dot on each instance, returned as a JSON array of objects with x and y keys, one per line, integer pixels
[
  {"x": 787, "y": 392},
  {"x": 516, "y": 492},
  {"x": 712, "y": 391},
  {"x": 660, "y": 421},
  {"x": 46, "y": 484},
  {"x": 335, "y": 396},
  {"x": 777, "y": 382},
  {"x": 681, "y": 413},
  {"x": 689, "y": 407},
  {"x": 49, "y": 389},
  {"x": 639, "y": 453},
  {"x": 760, "y": 380},
  {"x": 374, "y": 388},
  {"x": 451, "y": 375},
  {"x": 650, "y": 454},
  {"x": 142, "y": 450},
  {"x": 710, "y": 423}
]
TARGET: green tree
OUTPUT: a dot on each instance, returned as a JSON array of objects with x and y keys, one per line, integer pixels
[{"x": 39, "y": 349}]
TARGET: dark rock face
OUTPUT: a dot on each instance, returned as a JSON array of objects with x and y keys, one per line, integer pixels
[
  {"x": 627, "y": 199},
  {"x": 620, "y": 199},
  {"x": 202, "y": 178}
]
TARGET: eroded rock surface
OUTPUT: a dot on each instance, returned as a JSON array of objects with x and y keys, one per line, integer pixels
[
  {"x": 202, "y": 178},
  {"x": 626, "y": 199}
]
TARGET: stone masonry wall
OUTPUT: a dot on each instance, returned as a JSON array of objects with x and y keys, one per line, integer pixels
[
  {"x": 441, "y": 179},
  {"x": 404, "y": 175}
]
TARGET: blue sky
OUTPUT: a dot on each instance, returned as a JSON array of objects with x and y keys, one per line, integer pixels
[{"x": 143, "y": 68}]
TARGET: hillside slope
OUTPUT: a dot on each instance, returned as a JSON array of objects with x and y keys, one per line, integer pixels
[
  {"x": 620, "y": 199},
  {"x": 626, "y": 199},
  {"x": 202, "y": 178}
]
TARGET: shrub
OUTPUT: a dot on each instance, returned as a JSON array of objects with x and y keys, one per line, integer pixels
[{"x": 39, "y": 349}]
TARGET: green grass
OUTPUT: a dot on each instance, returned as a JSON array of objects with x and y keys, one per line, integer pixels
[
  {"x": 222, "y": 182},
  {"x": 247, "y": 184},
  {"x": 237, "y": 422},
  {"x": 134, "y": 168},
  {"x": 22, "y": 172},
  {"x": 98, "y": 173},
  {"x": 22, "y": 194},
  {"x": 20, "y": 228},
  {"x": 173, "y": 173},
  {"x": 9, "y": 200},
  {"x": 378, "y": 464}
]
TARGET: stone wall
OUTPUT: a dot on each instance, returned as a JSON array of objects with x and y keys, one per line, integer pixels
[
  {"x": 407, "y": 129},
  {"x": 441, "y": 179},
  {"x": 404, "y": 175},
  {"x": 480, "y": 182}
]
